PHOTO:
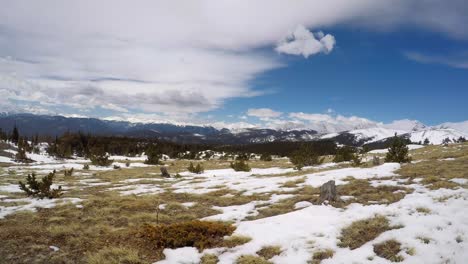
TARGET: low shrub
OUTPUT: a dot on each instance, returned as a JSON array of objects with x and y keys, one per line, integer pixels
[
  {"x": 196, "y": 169},
  {"x": 234, "y": 241},
  {"x": 199, "y": 234},
  {"x": 389, "y": 249},
  {"x": 86, "y": 167},
  {"x": 40, "y": 189},
  {"x": 100, "y": 160},
  {"x": 266, "y": 157},
  {"x": 363, "y": 231},
  {"x": 68, "y": 173},
  {"x": 269, "y": 252},
  {"x": 321, "y": 255},
  {"x": 240, "y": 165},
  {"x": 249, "y": 259}
]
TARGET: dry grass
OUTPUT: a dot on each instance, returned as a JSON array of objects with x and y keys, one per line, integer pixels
[
  {"x": 249, "y": 259},
  {"x": 389, "y": 249},
  {"x": 321, "y": 255},
  {"x": 236, "y": 240},
  {"x": 269, "y": 252},
  {"x": 363, "y": 231},
  {"x": 209, "y": 259},
  {"x": 284, "y": 206},
  {"x": 436, "y": 172},
  {"x": 423, "y": 210},
  {"x": 114, "y": 255},
  {"x": 364, "y": 193}
]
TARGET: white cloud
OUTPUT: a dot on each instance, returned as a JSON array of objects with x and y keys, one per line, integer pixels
[
  {"x": 455, "y": 61},
  {"x": 263, "y": 113},
  {"x": 305, "y": 43},
  {"x": 175, "y": 56}
]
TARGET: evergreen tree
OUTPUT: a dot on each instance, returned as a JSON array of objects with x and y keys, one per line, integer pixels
[
  {"x": 304, "y": 156},
  {"x": 40, "y": 189},
  {"x": 240, "y": 165},
  {"x": 398, "y": 151},
  {"x": 266, "y": 157},
  {"x": 15, "y": 135},
  {"x": 426, "y": 141}
]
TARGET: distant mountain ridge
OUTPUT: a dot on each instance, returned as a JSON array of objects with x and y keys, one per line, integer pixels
[{"x": 30, "y": 124}]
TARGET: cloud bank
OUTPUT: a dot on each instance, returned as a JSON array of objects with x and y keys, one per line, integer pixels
[{"x": 115, "y": 57}]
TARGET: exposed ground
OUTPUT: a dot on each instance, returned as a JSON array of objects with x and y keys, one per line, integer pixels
[{"x": 413, "y": 213}]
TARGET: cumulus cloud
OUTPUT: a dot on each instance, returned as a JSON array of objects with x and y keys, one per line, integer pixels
[
  {"x": 175, "y": 56},
  {"x": 263, "y": 113},
  {"x": 305, "y": 43}
]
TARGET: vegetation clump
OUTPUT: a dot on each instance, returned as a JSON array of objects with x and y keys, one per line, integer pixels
[
  {"x": 345, "y": 153},
  {"x": 266, "y": 157},
  {"x": 68, "y": 173},
  {"x": 389, "y": 249},
  {"x": 196, "y": 169},
  {"x": 100, "y": 159},
  {"x": 234, "y": 241},
  {"x": 363, "y": 231},
  {"x": 153, "y": 156},
  {"x": 305, "y": 156},
  {"x": 250, "y": 259},
  {"x": 40, "y": 189},
  {"x": 398, "y": 151},
  {"x": 199, "y": 234},
  {"x": 321, "y": 255},
  {"x": 269, "y": 252},
  {"x": 240, "y": 165}
]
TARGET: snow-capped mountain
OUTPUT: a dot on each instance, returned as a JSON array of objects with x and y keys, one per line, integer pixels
[
  {"x": 356, "y": 131},
  {"x": 406, "y": 125},
  {"x": 436, "y": 135},
  {"x": 461, "y": 126}
]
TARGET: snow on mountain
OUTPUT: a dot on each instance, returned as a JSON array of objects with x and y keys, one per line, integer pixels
[
  {"x": 436, "y": 136},
  {"x": 406, "y": 125},
  {"x": 460, "y": 126},
  {"x": 375, "y": 134}
]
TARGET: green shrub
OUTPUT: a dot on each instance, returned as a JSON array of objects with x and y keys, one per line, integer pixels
[
  {"x": 153, "y": 156},
  {"x": 40, "y": 189},
  {"x": 345, "y": 153},
  {"x": 68, "y": 173},
  {"x": 304, "y": 156},
  {"x": 100, "y": 160},
  {"x": 196, "y": 169},
  {"x": 199, "y": 234},
  {"x": 240, "y": 165},
  {"x": 266, "y": 157},
  {"x": 398, "y": 151},
  {"x": 86, "y": 167}
]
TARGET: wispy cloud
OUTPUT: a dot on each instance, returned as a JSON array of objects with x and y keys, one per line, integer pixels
[
  {"x": 263, "y": 113},
  {"x": 455, "y": 61},
  {"x": 176, "y": 56}
]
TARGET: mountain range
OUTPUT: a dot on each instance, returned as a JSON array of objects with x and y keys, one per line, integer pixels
[{"x": 358, "y": 135}]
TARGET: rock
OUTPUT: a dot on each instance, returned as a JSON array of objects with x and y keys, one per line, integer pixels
[
  {"x": 164, "y": 172},
  {"x": 328, "y": 192}
]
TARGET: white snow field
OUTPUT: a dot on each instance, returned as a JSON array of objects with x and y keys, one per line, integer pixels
[{"x": 300, "y": 232}]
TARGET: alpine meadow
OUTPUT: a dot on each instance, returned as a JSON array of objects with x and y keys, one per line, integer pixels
[{"x": 234, "y": 132}]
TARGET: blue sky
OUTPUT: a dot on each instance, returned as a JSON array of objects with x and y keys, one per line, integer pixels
[
  {"x": 265, "y": 63},
  {"x": 369, "y": 75}
]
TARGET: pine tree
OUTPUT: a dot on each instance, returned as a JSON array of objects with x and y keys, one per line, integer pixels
[
  {"x": 398, "y": 151},
  {"x": 15, "y": 135},
  {"x": 426, "y": 141},
  {"x": 40, "y": 189}
]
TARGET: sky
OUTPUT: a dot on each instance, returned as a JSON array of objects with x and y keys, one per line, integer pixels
[{"x": 268, "y": 63}]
